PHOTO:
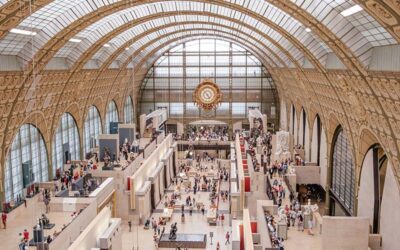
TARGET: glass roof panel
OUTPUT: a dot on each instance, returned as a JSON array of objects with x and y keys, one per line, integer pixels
[
  {"x": 126, "y": 36},
  {"x": 174, "y": 47},
  {"x": 368, "y": 32},
  {"x": 190, "y": 46},
  {"x": 58, "y": 14},
  {"x": 145, "y": 52}
]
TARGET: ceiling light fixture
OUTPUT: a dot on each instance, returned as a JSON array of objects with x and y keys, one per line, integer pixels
[
  {"x": 75, "y": 40},
  {"x": 23, "y": 32},
  {"x": 308, "y": 30},
  {"x": 127, "y": 48},
  {"x": 106, "y": 45},
  {"x": 352, "y": 10}
]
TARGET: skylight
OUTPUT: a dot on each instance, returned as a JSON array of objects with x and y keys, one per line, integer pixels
[
  {"x": 352, "y": 10},
  {"x": 75, "y": 40},
  {"x": 23, "y": 32}
]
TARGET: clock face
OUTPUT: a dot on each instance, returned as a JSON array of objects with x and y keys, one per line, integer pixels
[{"x": 207, "y": 95}]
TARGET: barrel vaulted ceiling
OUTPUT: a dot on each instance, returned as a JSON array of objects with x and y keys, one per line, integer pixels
[{"x": 287, "y": 33}]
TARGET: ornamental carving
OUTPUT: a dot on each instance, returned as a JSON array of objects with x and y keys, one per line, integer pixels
[
  {"x": 207, "y": 95},
  {"x": 394, "y": 4},
  {"x": 381, "y": 12}
]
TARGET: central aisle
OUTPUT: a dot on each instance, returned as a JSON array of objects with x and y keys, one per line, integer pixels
[{"x": 194, "y": 224}]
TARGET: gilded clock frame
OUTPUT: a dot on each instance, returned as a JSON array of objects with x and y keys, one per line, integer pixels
[{"x": 198, "y": 99}]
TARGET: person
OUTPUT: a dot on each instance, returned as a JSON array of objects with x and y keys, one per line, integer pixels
[
  {"x": 218, "y": 246},
  {"x": 147, "y": 224},
  {"x": 21, "y": 242},
  {"x": 154, "y": 225},
  {"x": 26, "y": 235},
  {"x": 155, "y": 238},
  {"x": 227, "y": 236},
  {"x": 130, "y": 226},
  {"x": 49, "y": 239},
  {"x": 4, "y": 219},
  {"x": 300, "y": 222},
  {"x": 222, "y": 219},
  {"x": 202, "y": 209}
]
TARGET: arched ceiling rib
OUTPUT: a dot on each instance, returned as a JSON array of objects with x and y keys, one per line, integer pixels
[
  {"x": 123, "y": 33},
  {"x": 121, "y": 50},
  {"x": 145, "y": 62},
  {"x": 275, "y": 17},
  {"x": 143, "y": 50},
  {"x": 108, "y": 23},
  {"x": 120, "y": 42},
  {"x": 241, "y": 37}
]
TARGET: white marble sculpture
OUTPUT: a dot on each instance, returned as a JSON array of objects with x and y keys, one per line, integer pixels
[
  {"x": 282, "y": 145},
  {"x": 307, "y": 208},
  {"x": 282, "y": 218}
]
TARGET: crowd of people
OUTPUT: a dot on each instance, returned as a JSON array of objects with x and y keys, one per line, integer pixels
[
  {"x": 277, "y": 242},
  {"x": 207, "y": 133},
  {"x": 128, "y": 151}
]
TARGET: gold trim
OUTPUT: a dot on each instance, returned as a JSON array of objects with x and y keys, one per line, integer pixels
[{"x": 215, "y": 99}]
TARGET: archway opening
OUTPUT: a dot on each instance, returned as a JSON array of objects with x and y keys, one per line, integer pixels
[
  {"x": 342, "y": 190},
  {"x": 26, "y": 163},
  {"x": 66, "y": 144},
  {"x": 372, "y": 182}
]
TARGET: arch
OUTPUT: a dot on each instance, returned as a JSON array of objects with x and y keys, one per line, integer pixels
[
  {"x": 125, "y": 33},
  {"x": 91, "y": 129},
  {"x": 342, "y": 175},
  {"x": 74, "y": 110},
  {"x": 27, "y": 156},
  {"x": 293, "y": 124},
  {"x": 66, "y": 142},
  {"x": 318, "y": 148},
  {"x": 304, "y": 134},
  {"x": 169, "y": 91},
  {"x": 283, "y": 116},
  {"x": 372, "y": 178},
  {"x": 111, "y": 116},
  {"x": 128, "y": 110}
]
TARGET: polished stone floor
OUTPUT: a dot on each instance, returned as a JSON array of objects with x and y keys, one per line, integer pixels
[
  {"x": 195, "y": 224},
  {"x": 9, "y": 237}
]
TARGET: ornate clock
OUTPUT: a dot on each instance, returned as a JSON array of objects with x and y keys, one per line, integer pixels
[{"x": 207, "y": 95}]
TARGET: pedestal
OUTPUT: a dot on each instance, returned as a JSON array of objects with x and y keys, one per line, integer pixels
[
  {"x": 282, "y": 230},
  {"x": 307, "y": 217}
]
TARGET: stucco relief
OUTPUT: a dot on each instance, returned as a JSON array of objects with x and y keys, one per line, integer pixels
[
  {"x": 396, "y": 30},
  {"x": 394, "y": 4},
  {"x": 381, "y": 12}
]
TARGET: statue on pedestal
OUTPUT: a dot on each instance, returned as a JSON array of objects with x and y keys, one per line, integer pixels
[
  {"x": 282, "y": 145},
  {"x": 107, "y": 156},
  {"x": 282, "y": 218}
]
